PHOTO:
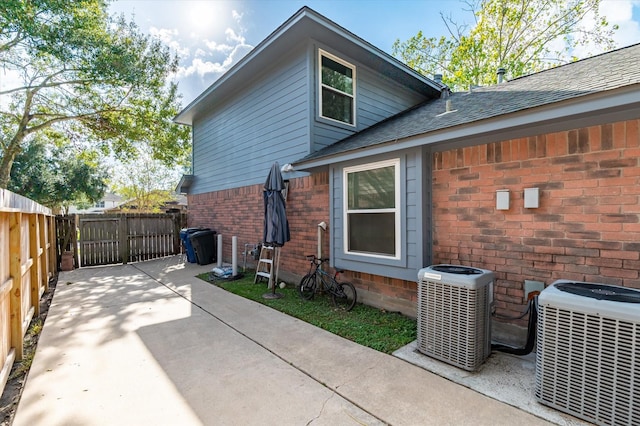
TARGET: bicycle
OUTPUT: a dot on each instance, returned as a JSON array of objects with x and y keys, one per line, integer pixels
[{"x": 343, "y": 294}]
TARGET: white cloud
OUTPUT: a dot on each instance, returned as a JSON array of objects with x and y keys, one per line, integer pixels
[
  {"x": 616, "y": 12},
  {"x": 232, "y": 36},
  {"x": 218, "y": 47},
  {"x": 621, "y": 13},
  {"x": 203, "y": 68},
  {"x": 168, "y": 37}
]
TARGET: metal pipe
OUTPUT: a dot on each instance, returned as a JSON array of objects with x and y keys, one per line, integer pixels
[
  {"x": 234, "y": 256},
  {"x": 322, "y": 226}
]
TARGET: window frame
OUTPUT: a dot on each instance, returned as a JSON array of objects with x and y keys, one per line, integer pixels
[
  {"x": 396, "y": 209},
  {"x": 322, "y": 86}
]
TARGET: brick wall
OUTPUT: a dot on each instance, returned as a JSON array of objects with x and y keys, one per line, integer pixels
[
  {"x": 240, "y": 212},
  {"x": 587, "y": 227},
  {"x": 307, "y": 206}
]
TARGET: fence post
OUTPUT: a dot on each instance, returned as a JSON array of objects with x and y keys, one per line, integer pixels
[
  {"x": 34, "y": 253},
  {"x": 53, "y": 248},
  {"x": 44, "y": 253},
  {"x": 74, "y": 239},
  {"x": 123, "y": 229},
  {"x": 15, "y": 268},
  {"x": 177, "y": 219}
]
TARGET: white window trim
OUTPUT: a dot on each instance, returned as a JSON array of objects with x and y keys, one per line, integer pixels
[
  {"x": 322, "y": 53},
  {"x": 345, "y": 208}
]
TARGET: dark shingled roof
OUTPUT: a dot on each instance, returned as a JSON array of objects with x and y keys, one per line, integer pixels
[{"x": 600, "y": 73}]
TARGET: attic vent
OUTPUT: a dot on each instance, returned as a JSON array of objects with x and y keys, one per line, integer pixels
[
  {"x": 448, "y": 109},
  {"x": 501, "y": 72}
]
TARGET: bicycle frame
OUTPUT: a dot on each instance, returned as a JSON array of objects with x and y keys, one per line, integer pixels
[
  {"x": 343, "y": 294},
  {"x": 324, "y": 280}
]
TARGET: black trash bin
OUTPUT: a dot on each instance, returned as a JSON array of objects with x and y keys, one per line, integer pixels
[
  {"x": 185, "y": 233},
  {"x": 204, "y": 246}
]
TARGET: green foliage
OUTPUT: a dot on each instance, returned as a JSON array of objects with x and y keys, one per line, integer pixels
[
  {"x": 522, "y": 36},
  {"x": 366, "y": 325},
  {"x": 147, "y": 184},
  {"x": 56, "y": 177},
  {"x": 83, "y": 75}
]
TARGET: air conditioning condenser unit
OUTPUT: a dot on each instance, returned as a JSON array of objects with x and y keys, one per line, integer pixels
[
  {"x": 588, "y": 351},
  {"x": 454, "y": 314}
]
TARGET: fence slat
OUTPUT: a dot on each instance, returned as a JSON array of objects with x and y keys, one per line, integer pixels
[
  {"x": 26, "y": 245},
  {"x": 121, "y": 238}
]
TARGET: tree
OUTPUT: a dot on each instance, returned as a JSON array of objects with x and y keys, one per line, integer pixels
[
  {"x": 57, "y": 178},
  {"x": 82, "y": 74},
  {"x": 147, "y": 184},
  {"x": 521, "y": 36}
]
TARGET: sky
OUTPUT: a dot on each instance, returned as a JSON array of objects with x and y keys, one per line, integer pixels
[{"x": 210, "y": 36}]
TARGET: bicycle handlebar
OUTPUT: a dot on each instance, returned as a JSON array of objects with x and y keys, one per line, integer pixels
[{"x": 313, "y": 257}]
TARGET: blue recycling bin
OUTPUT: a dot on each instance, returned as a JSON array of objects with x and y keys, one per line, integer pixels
[{"x": 186, "y": 242}]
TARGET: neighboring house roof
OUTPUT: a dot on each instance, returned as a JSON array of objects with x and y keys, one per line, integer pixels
[
  {"x": 110, "y": 196},
  {"x": 109, "y": 199},
  {"x": 305, "y": 24},
  {"x": 600, "y": 86},
  {"x": 179, "y": 200}
]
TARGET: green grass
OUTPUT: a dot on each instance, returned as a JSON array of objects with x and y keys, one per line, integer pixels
[{"x": 378, "y": 329}]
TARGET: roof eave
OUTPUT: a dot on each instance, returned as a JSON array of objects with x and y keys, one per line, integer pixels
[
  {"x": 303, "y": 21},
  {"x": 618, "y": 105}
]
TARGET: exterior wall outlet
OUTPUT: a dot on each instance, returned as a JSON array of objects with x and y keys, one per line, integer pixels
[
  {"x": 531, "y": 286},
  {"x": 531, "y": 198},
  {"x": 502, "y": 199}
]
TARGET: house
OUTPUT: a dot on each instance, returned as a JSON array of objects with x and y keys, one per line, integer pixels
[
  {"x": 407, "y": 174},
  {"x": 107, "y": 202},
  {"x": 168, "y": 203}
]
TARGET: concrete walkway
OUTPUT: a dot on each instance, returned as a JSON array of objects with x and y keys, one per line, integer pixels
[{"x": 151, "y": 344}]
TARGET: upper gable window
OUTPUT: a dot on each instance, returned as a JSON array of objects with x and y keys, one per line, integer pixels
[{"x": 337, "y": 87}]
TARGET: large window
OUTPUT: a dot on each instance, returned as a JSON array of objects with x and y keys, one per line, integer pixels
[
  {"x": 372, "y": 215},
  {"x": 337, "y": 89}
]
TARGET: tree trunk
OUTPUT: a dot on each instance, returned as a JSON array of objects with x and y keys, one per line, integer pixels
[
  {"x": 7, "y": 159},
  {"x": 15, "y": 146}
]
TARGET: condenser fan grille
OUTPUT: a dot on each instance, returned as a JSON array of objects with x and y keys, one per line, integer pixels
[
  {"x": 588, "y": 364},
  {"x": 453, "y": 322}
]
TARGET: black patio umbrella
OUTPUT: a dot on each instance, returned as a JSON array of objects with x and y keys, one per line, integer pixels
[{"x": 276, "y": 225}]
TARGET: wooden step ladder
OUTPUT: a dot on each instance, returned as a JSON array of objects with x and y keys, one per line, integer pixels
[{"x": 264, "y": 269}]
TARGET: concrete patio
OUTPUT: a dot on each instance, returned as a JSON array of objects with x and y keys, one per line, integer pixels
[{"x": 149, "y": 343}]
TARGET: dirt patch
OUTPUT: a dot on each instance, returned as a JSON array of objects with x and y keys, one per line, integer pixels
[{"x": 20, "y": 370}]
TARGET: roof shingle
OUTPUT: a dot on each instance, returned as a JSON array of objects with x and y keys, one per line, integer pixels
[{"x": 601, "y": 73}]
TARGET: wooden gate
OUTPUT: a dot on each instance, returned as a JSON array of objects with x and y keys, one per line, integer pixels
[{"x": 105, "y": 239}]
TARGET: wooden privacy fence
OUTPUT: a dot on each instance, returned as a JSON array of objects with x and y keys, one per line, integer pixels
[
  {"x": 104, "y": 239},
  {"x": 27, "y": 262}
]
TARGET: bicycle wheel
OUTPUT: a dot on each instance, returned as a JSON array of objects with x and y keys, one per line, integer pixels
[
  {"x": 344, "y": 297},
  {"x": 307, "y": 288}
]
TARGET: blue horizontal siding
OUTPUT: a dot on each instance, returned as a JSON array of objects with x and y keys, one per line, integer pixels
[
  {"x": 413, "y": 219},
  {"x": 236, "y": 144},
  {"x": 377, "y": 98}
]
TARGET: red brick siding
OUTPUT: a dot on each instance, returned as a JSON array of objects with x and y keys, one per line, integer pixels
[
  {"x": 386, "y": 286},
  {"x": 307, "y": 206},
  {"x": 240, "y": 212},
  {"x": 587, "y": 226}
]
